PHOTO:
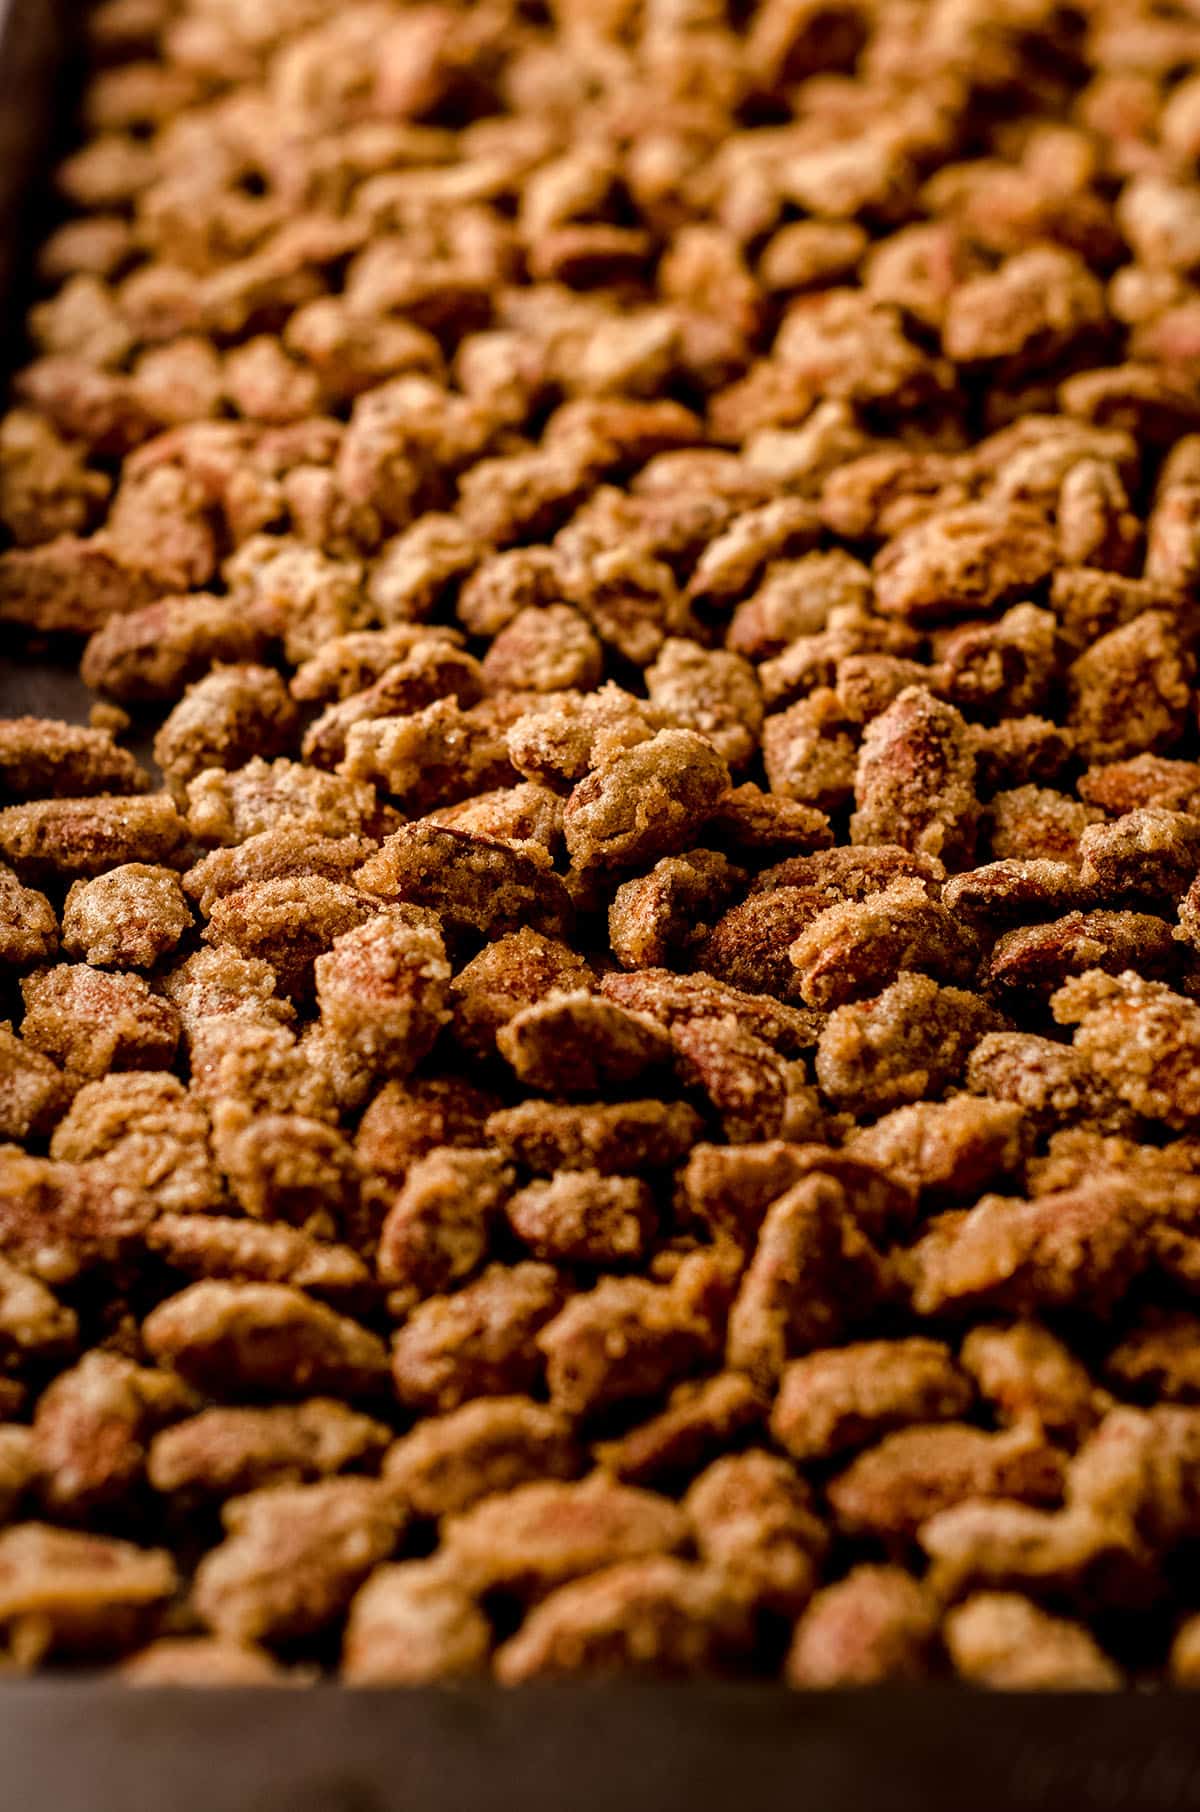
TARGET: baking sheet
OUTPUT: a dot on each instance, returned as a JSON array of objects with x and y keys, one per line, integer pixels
[
  {"x": 84, "y": 1745},
  {"x": 595, "y": 1749}
]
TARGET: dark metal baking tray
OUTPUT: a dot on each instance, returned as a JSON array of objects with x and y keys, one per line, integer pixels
[{"x": 86, "y": 1745}]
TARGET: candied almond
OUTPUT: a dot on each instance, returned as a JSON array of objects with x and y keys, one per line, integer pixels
[
  {"x": 961, "y": 561},
  {"x": 1037, "y": 824},
  {"x": 1148, "y": 853},
  {"x": 92, "y": 1022},
  {"x": 247, "y": 1251},
  {"x": 293, "y": 1557},
  {"x": 852, "y": 949},
  {"x": 381, "y": 988},
  {"x": 226, "y": 1452},
  {"x": 230, "y": 807},
  {"x": 675, "y": 999},
  {"x": 130, "y": 917},
  {"x": 33, "y": 1090},
  {"x": 894, "y": 1487},
  {"x": 915, "y": 781},
  {"x": 202, "y": 1661},
  {"x": 91, "y": 1429},
  {"x": 438, "y": 1229},
  {"x": 1035, "y": 959},
  {"x": 813, "y": 1274},
  {"x": 908, "y": 1043},
  {"x": 1130, "y": 690},
  {"x": 615, "y": 1138},
  {"x": 59, "y": 1220},
  {"x": 846, "y": 1397},
  {"x": 477, "y": 1341},
  {"x": 32, "y": 1320},
  {"x": 1078, "y": 1246},
  {"x": 1140, "y": 1038},
  {"x": 660, "y": 914},
  {"x": 1028, "y": 1373},
  {"x": 88, "y": 836},
  {"x": 537, "y": 1536},
  {"x": 625, "y": 1340},
  {"x": 581, "y": 1044},
  {"x": 729, "y": 1189},
  {"x": 644, "y": 803},
  {"x": 143, "y": 1128},
  {"x": 471, "y": 882},
  {"x": 448, "y": 1463},
  {"x": 273, "y": 855},
  {"x": 755, "y": 1522},
  {"x": 413, "y": 1624},
  {"x": 877, "y": 1624},
  {"x": 700, "y": 1419},
  {"x": 288, "y": 923},
  {"x": 262, "y": 1338},
  {"x": 28, "y": 923},
  {"x": 41, "y": 758},
  {"x": 583, "y": 1217},
  {"x": 405, "y": 1120},
  {"x": 659, "y": 1616},
  {"x": 1000, "y": 1639},
  {"x": 63, "y": 1591}
]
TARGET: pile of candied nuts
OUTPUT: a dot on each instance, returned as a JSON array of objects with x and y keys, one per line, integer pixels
[{"x": 628, "y": 1097}]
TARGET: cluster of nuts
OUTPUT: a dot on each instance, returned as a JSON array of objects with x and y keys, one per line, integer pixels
[{"x": 628, "y": 1095}]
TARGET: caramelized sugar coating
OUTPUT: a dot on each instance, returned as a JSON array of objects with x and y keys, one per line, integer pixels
[{"x": 631, "y": 1102}]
